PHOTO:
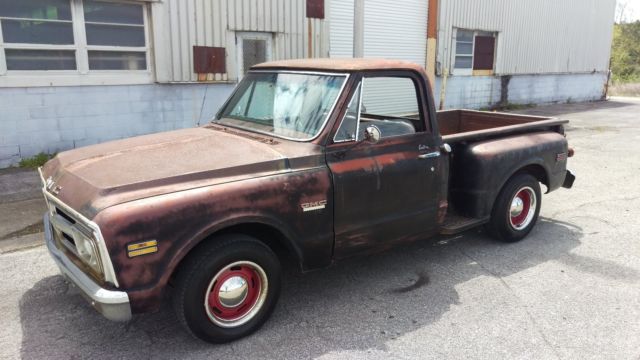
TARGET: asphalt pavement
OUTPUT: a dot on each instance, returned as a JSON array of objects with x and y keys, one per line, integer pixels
[{"x": 570, "y": 290}]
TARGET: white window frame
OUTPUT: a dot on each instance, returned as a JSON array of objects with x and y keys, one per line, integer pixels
[
  {"x": 268, "y": 37},
  {"x": 82, "y": 75},
  {"x": 454, "y": 53}
]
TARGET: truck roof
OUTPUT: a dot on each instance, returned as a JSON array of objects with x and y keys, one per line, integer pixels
[{"x": 339, "y": 65}]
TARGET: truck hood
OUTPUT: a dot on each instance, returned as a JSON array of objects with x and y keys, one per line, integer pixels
[{"x": 93, "y": 178}]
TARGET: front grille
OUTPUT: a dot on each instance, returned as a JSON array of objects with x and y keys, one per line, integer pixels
[{"x": 65, "y": 215}]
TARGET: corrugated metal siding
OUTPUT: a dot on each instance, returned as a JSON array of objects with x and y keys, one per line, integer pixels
[
  {"x": 341, "y": 28},
  {"x": 178, "y": 25},
  {"x": 542, "y": 36},
  {"x": 396, "y": 31}
]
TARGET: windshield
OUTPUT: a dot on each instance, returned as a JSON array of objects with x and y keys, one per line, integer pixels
[{"x": 289, "y": 105}]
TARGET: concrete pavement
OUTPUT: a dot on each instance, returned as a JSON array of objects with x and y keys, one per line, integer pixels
[
  {"x": 21, "y": 209},
  {"x": 571, "y": 290}
]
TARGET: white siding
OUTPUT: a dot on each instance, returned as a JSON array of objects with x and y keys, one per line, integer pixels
[
  {"x": 541, "y": 36},
  {"x": 341, "y": 28},
  {"x": 178, "y": 25},
  {"x": 395, "y": 30}
]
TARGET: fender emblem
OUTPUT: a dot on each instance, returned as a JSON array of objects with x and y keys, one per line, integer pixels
[
  {"x": 315, "y": 205},
  {"x": 561, "y": 157}
]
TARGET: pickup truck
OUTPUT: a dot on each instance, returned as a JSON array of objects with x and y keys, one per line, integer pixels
[{"x": 311, "y": 160}]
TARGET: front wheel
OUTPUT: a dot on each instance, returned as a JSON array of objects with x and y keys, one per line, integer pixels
[
  {"x": 227, "y": 289},
  {"x": 516, "y": 209}
]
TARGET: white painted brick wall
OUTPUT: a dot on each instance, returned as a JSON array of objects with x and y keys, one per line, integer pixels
[
  {"x": 474, "y": 92},
  {"x": 53, "y": 119}
]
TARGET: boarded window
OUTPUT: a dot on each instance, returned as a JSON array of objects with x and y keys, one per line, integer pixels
[
  {"x": 483, "y": 53},
  {"x": 315, "y": 9},
  {"x": 209, "y": 60}
]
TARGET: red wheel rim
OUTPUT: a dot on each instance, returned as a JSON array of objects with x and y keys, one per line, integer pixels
[
  {"x": 235, "y": 294},
  {"x": 522, "y": 208}
]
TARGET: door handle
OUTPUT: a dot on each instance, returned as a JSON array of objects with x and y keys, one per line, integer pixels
[{"x": 430, "y": 155}]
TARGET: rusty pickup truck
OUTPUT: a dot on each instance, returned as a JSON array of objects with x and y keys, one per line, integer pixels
[{"x": 313, "y": 161}]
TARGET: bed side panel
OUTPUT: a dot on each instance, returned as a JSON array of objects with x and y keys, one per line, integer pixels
[{"x": 479, "y": 170}]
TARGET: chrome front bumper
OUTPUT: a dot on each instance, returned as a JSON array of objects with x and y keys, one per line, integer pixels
[{"x": 114, "y": 305}]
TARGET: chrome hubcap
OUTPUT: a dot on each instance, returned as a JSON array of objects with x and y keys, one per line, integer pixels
[
  {"x": 233, "y": 291},
  {"x": 517, "y": 205},
  {"x": 523, "y": 208},
  {"x": 236, "y": 294}
]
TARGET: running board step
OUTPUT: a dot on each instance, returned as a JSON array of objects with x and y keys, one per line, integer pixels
[{"x": 455, "y": 224}]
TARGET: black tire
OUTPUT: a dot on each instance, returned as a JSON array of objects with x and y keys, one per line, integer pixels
[
  {"x": 505, "y": 227},
  {"x": 202, "y": 270}
]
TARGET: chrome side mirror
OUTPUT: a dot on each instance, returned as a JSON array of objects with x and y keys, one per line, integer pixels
[{"x": 372, "y": 134}]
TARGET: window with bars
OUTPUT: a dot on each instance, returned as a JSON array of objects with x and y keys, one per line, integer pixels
[
  {"x": 252, "y": 48},
  {"x": 73, "y": 36}
]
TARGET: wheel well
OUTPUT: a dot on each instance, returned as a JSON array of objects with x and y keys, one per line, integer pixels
[
  {"x": 269, "y": 235},
  {"x": 536, "y": 170}
]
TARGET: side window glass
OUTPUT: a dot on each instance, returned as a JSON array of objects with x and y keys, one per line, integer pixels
[
  {"x": 348, "y": 130},
  {"x": 391, "y": 104}
]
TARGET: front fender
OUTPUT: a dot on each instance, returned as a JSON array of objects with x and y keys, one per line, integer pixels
[{"x": 179, "y": 221}]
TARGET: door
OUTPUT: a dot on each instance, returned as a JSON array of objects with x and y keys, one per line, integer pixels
[{"x": 385, "y": 192}]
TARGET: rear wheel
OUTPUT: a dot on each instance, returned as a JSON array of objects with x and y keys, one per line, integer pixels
[
  {"x": 516, "y": 209},
  {"x": 227, "y": 289}
]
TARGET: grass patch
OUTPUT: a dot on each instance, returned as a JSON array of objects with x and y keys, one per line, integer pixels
[
  {"x": 35, "y": 161},
  {"x": 632, "y": 89}
]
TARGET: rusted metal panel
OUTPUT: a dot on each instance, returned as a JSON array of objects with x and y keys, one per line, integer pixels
[
  {"x": 493, "y": 162},
  {"x": 209, "y": 60},
  {"x": 315, "y": 9}
]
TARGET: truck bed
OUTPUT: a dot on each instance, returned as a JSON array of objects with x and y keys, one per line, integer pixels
[{"x": 464, "y": 125}]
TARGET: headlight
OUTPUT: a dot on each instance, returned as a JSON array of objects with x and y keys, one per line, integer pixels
[{"x": 88, "y": 253}]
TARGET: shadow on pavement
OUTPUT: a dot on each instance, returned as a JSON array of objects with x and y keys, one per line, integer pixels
[{"x": 359, "y": 304}]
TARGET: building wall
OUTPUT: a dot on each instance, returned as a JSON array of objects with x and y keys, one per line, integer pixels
[
  {"x": 52, "y": 119},
  {"x": 341, "y": 23},
  {"x": 181, "y": 24},
  {"x": 56, "y": 118},
  {"x": 541, "y": 36}
]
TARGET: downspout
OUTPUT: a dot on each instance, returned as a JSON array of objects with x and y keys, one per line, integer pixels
[
  {"x": 358, "y": 29},
  {"x": 432, "y": 34},
  {"x": 443, "y": 88}
]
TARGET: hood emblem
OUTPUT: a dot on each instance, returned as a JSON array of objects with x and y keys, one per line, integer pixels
[{"x": 51, "y": 186}]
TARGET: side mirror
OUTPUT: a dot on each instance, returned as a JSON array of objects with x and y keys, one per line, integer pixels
[{"x": 372, "y": 134}]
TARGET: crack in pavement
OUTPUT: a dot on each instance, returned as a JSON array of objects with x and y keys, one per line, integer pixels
[{"x": 27, "y": 230}]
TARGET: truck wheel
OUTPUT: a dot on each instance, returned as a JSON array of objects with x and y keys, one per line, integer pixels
[
  {"x": 227, "y": 289},
  {"x": 516, "y": 209}
]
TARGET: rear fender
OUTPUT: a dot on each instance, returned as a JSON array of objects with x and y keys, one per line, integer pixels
[{"x": 480, "y": 170}]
